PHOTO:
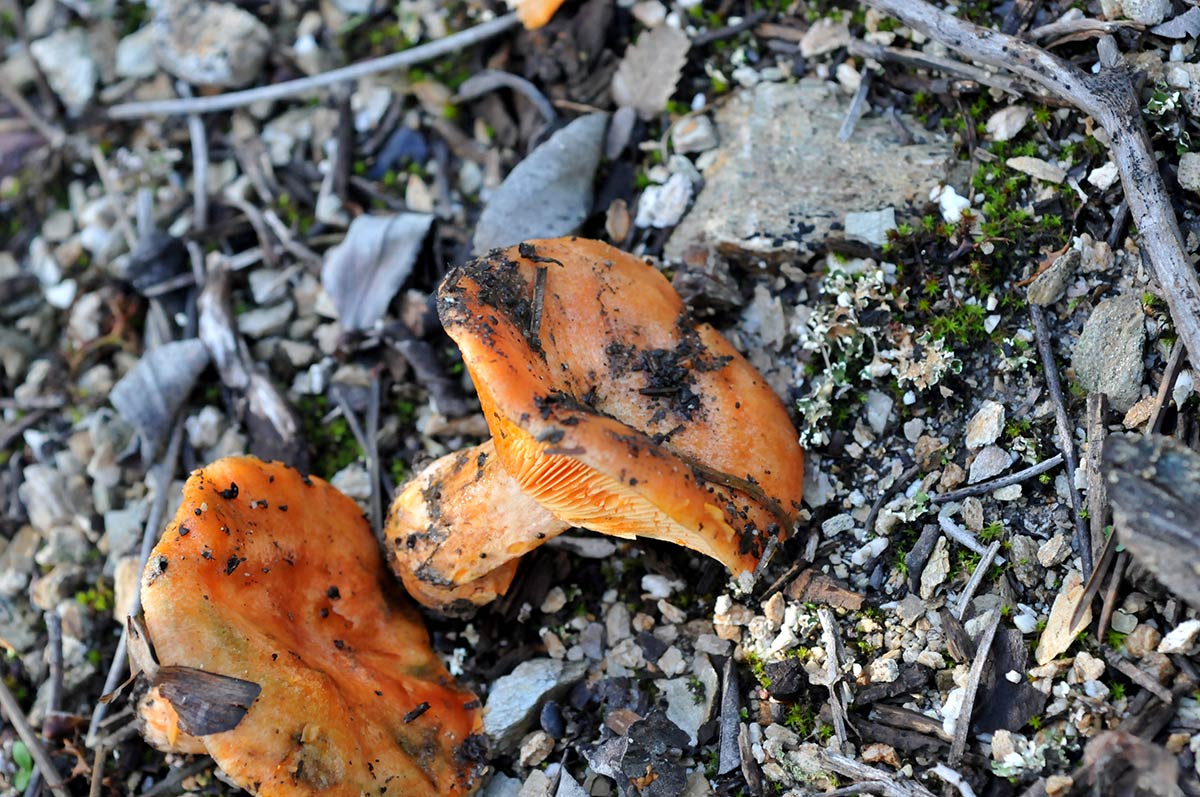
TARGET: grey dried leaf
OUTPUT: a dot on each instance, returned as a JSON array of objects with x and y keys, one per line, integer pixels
[
  {"x": 153, "y": 391},
  {"x": 364, "y": 271},
  {"x": 648, "y": 73},
  {"x": 206, "y": 702},
  {"x": 550, "y": 192}
]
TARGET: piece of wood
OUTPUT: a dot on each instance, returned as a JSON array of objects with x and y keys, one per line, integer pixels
[
  {"x": 1154, "y": 485},
  {"x": 813, "y": 586}
]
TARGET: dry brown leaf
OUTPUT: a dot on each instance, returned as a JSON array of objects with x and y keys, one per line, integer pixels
[{"x": 646, "y": 78}]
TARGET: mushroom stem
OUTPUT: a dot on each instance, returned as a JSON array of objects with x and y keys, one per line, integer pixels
[{"x": 456, "y": 530}]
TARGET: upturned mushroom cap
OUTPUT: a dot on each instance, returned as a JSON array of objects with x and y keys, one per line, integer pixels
[
  {"x": 610, "y": 409},
  {"x": 275, "y": 579}
]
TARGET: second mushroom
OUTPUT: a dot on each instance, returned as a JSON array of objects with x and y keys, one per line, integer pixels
[{"x": 609, "y": 410}]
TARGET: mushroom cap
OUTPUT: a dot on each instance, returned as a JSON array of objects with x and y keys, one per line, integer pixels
[
  {"x": 275, "y": 578},
  {"x": 448, "y": 535},
  {"x": 613, "y": 410}
]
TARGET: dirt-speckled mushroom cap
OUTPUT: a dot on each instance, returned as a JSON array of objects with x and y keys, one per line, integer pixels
[
  {"x": 275, "y": 578},
  {"x": 616, "y": 412}
]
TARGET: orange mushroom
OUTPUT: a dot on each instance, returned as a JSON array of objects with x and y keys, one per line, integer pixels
[
  {"x": 274, "y": 580},
  {"x": 536, "y": 13},
  {"x": 609, "y": 409}
]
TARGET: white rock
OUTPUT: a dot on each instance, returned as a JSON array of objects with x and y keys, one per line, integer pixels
[
  {"x": 884, "y": 671},
  {"x": 650, "y": 13},
  {"x": 1189, "y": 171},
  {"x": 65, "y": 57},
  {"x": 990, "y": 462},
  {"x": 879, "y": 410},
  {"x": 1103, "y": 177},
  {"x": 871, "y": 226},
  {"x": 135, "y": 54},
  {"x": 936, "y": 569},
  {"x": 660, "y": 586},
  {"x": 1007, "y": 122},
  {"x": 985, "y": 426},
  {"x": 1147, "y": 12},
  {"x": 554, "y": 601},
  {"x": 662, "y": 206},
  {"x": 694, "y": 134},
  {"x": 1037, "y": 168},
  {"x": 869, "y": 551},
  {"x": 836, "y": 525},
  {"x": 950, "y": 203},
  {"x": 1181, "y": 638}
]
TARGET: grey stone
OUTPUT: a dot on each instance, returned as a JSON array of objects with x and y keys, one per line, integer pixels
[
  {"x": 135, "y": 54},
  {"x": 689, "y": 707},
  {"x": 694, "y": 134},
  {"x": 1189, "y": 171},
  {"x": 1024, "y": 560},
  {"x": 662, "y": 206},
  {"x": 515, "y": 698},
  {"x": 988, "y": 463},
  {"x": 46, "y": 497},
  {"x": 782, "y": 180},
  {"x": 65, "y": 57},
  {"x": 936, "y": 569},
  {"x": 1049, "y": 286},
  {"x": 17, "y": 563},
  {"x": 1147, "y": 12},
  {"x": 550, "y": 192},
  {"x": 501, "y": 785},
  {"x": 985, "y": 425},
  {"x": 263, "y": 321},
  {"x": 871, "y": 226},
  {"x": 1108, "y": 356},
  {"x": 210, "y": 43},
  {"x": 879, "y": 410}
]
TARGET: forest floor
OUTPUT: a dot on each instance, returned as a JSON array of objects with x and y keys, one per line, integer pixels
[{"x": 931, "y": 261}]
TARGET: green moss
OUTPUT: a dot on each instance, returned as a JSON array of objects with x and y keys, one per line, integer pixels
[{"x": 331, "y": 444}]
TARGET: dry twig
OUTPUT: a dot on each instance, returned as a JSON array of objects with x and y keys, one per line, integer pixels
[
  {"x": 453, "y": 43},
  {"x": 16, "y": 717},
  {"x": 1066, "y": 438},
  {"x": 963, "y": 727},
  {"x": 160, "y": 478},
  {"x": 984, "y": 488}
]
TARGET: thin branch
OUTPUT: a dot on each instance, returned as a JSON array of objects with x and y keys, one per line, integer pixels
[
  {"x": 199, "y": 163},
  {"x": 963, "y": 726},
  {"x": 16, "y": 717},
  {"x": 920, "y": 60},
  {"x": 1066, "y": 439},
  {"x": 833, "y": 673},
  {"x": 113, "y": 190},
  {"x": 54, "y": 650},
  {"x": 160, "y": 478},
  {"x": 960, "y": 534},
  {"x": 1068, "y": 27},
  {"x": 453, "y": 43},
  {"x": 1110, "y": 99},
  {"x": 984, "y": 488},
  {"x": 985, "y": 561},
  {"x": 858, "y": 107}
]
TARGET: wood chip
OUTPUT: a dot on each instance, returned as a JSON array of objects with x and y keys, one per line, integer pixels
[
  {"x": 813, "y": 586},
  {"x": 1059, "y": 634}
]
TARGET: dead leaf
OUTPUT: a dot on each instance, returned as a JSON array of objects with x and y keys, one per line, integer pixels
[
  {"x": 1058, "y": 635},
  {"x": 153, "y": 391},
  {"x": 364, "y": 271},
  {"x": 648, "y": 73}
]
